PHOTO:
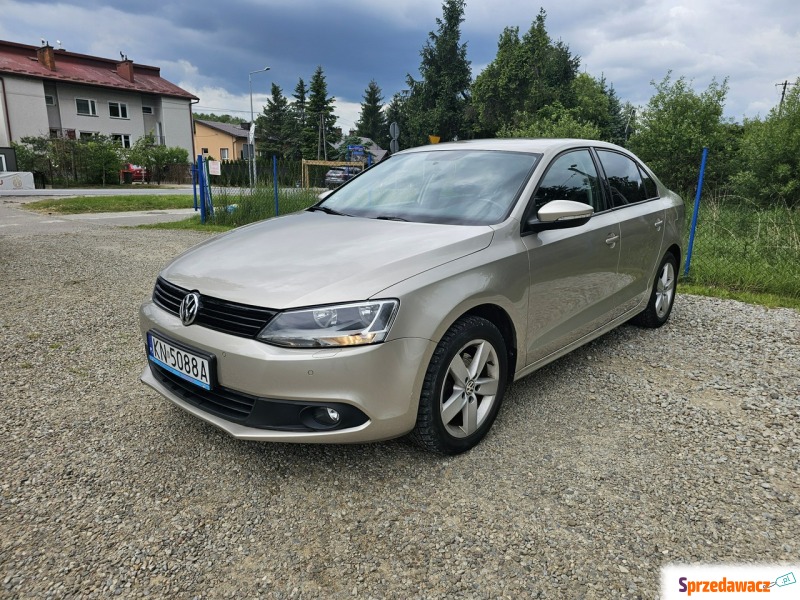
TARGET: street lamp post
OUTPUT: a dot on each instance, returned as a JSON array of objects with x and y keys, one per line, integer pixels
[{"x": 252, "y": 139}]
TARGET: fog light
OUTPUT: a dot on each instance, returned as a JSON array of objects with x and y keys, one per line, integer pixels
[{"x": 326, "y": 416}]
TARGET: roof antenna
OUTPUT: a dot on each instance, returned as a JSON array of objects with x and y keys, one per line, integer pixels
[
  {"x": 123, "y": 56},
  {"x": 59, "y": 44},
  {"x": 45, "y": 42}
]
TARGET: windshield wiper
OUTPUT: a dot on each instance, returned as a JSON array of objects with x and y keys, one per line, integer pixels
[
  {"x": 327, "y": 210},
  {"x": 390, "y": 218}
]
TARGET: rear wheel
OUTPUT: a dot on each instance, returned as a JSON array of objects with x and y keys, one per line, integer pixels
[
  {"x": 463, "y": 387},
  {"x": 662, "y": 296}
]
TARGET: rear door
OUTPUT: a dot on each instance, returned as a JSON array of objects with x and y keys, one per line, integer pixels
[{"x": 641, "y": 215}]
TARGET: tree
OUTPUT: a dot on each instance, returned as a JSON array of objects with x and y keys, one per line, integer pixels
[
  {"x": 553, "y": 121},
  {"x": 158, "y": 159},
  {"x": 296, "y": 121},
  {"x": 437, "y": 102},
  {"x": 372, "y": 122},
  {"x": 769, "y": 157},
  {"x": 527, "y": 74},
  {"x": 274, "y": 126},
  {"x": 320, "y": 121},
  {"x": 218, "y": 118},
  {"x": 102, "y": 159},
  {"x": 598, "y": 105},
  {"x": 673, "y": 128}
]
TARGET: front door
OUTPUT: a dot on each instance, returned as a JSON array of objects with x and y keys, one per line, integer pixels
[{"x": 574, "y": 281}]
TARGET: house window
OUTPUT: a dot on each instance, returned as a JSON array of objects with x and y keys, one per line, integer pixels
[
  {"x": 204, "y": 150},
  {"x": 86, "y": 107},
  {"x": 223, "y": 154},
  {"x": 117, "y": 110},
  {"x": 49, "y": 100},
  {"x": 123, "y": 139},
  {"x": 147, "y": 110},
  {"x": 87, "y": 135}
]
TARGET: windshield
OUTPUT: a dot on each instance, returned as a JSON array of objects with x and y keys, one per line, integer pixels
[{"x": 464, "y": 187}]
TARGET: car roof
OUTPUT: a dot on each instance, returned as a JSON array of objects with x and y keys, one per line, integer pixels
[{"x": 537, "y": 145}]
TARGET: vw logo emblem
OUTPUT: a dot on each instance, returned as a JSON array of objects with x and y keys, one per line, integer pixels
[{"x": 189, "y": 307}]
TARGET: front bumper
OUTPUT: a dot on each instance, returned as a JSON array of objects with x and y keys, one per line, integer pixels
[{"x": 381, "y": 381}]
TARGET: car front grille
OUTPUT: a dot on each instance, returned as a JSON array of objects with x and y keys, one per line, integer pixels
[{"x": 242, "y": 320}]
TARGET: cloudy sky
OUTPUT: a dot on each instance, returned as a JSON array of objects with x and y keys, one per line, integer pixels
[{"x": 210, "y": 51}]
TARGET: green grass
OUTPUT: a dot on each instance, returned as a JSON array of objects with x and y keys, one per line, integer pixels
[
  {"x": 101, "y": 204},
  {"x": 240, "y": 207},
  {"x": 191, "y": 224},
  {"x": 768, "y": 300},
  {"x": 747, "y": 250}
]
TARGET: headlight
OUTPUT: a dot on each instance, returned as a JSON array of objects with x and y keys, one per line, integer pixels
[{"x": 353, "y": 324}]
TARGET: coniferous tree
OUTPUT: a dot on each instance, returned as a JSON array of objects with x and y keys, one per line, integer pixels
[
  {"x": 372, "y": 122},
  {"x": 274, "y": 126},
  {"x": 437, "y": 102},
  {"x": 319, "y": 115},
  {"x": 527, "y": 75},
  {"x": 297, "y": 120}
]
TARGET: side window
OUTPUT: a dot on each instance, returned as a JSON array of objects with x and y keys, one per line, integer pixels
[
  {"x": 650, "y": 188},
  {"x": 624, "y": 179},
  {"x": 571, "y": 176}
]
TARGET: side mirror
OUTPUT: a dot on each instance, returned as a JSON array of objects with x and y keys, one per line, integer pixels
[
  {"x": 325, "y": 194},
  {"x": 560, "y": 214}
]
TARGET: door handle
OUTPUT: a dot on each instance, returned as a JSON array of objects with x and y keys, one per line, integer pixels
[
  {"x": 611, "y": 240},
  {"x": 658, "y": 224}
]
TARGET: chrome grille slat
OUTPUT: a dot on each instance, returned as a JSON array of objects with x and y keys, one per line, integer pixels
[{"x": 242, "y": 320}]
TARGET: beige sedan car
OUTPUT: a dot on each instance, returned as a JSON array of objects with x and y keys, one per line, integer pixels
[{"x": 407, "y": 300}]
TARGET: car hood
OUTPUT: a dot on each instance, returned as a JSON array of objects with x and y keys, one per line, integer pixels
[{"x": 313, "y": 258}]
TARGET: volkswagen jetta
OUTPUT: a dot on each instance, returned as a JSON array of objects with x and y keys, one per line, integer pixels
[{"x": 407, "y": 300}]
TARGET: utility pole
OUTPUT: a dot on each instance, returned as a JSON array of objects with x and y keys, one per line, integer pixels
[
  {"x": 783, "y": 85},
  {"x": 322, "y": 143},
  {"x": 252, "y": 138}
]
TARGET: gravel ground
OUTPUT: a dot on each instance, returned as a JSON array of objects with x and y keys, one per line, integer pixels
[{"x": 643, "y": 448}]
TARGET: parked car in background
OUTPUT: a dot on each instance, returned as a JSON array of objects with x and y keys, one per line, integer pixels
[
  {"x": 338, "y": 175},
  {"x": 407, "y": 300},
  {"x": 130, "y": 173}
]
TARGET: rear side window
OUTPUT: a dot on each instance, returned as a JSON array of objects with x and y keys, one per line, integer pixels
[
  {"x": 624, "y": 179},
  {"x": 571, "y": 176},
  {"x": 650, "y": 188}
]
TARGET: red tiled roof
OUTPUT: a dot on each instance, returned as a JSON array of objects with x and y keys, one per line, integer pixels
[{"x": 21, "y": 59}]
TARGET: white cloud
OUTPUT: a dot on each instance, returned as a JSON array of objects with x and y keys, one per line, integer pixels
[{"x": 631, "y": 42}]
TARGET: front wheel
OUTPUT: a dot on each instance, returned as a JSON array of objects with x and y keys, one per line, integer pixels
[
  {"x": 662, "y": 296},
  {"x": 463, "y": 387}
]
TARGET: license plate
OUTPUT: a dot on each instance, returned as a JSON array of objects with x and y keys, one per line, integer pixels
[{"x": 180, "y": 361}]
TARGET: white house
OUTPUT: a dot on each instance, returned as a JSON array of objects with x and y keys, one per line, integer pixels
[{"x": 52, "y": 92}]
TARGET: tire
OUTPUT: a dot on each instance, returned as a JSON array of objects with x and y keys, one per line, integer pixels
[
  {"x": 460, "y": 399},
  {"x": 662, "y": 297}
]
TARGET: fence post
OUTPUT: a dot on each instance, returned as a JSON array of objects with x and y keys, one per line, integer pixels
[
  {"x": 696, "y": 210},
  {"x": 201, "y": 182},
  {"x": 275, "y": 180},
  {"x": 194, "y": 184}
]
